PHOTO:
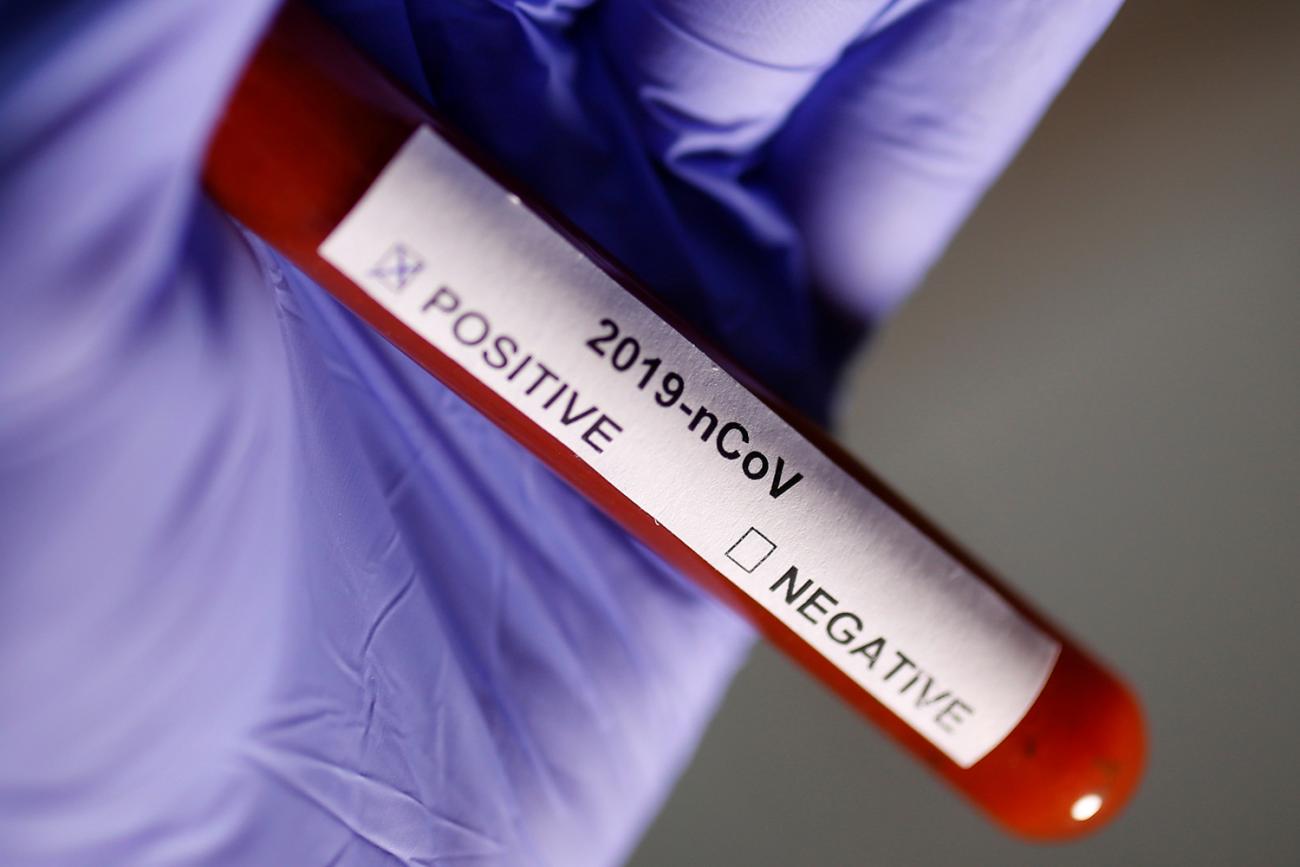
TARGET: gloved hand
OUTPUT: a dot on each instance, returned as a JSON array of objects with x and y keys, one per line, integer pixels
[{"x": 268, "y": 592}]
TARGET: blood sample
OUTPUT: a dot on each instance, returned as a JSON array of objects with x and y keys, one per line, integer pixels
[{"x": 410, "y": 226}]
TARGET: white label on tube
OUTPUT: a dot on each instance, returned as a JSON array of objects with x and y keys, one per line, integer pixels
[{"x": 461, "y": 262}]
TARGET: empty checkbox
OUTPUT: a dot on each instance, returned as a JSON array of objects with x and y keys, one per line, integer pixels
[{"x": 751, "y": 550}]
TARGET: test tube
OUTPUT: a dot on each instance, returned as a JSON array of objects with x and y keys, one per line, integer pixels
[{"x": 417, "y": 231}]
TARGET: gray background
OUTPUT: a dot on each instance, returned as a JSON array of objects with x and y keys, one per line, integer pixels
[{"x": 1097, "y": 391}]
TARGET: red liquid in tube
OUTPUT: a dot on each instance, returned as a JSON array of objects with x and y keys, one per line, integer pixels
[{"x": 308, "y": 130}]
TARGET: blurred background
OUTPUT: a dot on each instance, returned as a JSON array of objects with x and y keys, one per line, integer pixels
[{"x": 1098, "y": 391}]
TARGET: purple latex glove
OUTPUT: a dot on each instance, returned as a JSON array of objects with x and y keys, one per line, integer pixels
[{"x": 268, "y": 592}]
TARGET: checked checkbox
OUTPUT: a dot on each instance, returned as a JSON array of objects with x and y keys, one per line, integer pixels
[{"x": 397, "y": 267}]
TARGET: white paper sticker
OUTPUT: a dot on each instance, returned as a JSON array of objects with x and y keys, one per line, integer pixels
[{"x": 460, "y": 261}]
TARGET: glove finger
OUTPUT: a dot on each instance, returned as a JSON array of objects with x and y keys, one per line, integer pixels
[
  {"x": 105, "y": 110},
  {"x": 886, "y": 156},
  {"x": 143, "y": 517},
  {"x": 715, "y": 78},
  {"x": 122, "y": 420}
]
